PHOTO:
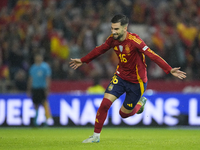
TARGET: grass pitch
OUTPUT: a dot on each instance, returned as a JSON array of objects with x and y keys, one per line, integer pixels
[{"x": 111, "y": 139}]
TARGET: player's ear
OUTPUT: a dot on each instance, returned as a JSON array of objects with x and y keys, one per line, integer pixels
[{"x": 125, "y": 27}]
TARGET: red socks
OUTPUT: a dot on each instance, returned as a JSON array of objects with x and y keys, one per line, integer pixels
[
  {"x": 103, "y": 111},
  {"x": 102, "y": 114},
  {"x": 135, "y": 110}
]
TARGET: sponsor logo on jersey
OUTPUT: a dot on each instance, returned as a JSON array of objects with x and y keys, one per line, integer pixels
[
  {"x": 115, "y": 48},
  {"x": 145, "y": 48}
]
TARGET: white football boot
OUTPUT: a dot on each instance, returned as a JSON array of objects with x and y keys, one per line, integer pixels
[
  {"x": 142, "y": 101},
  {"x": 92, "y": 139}
]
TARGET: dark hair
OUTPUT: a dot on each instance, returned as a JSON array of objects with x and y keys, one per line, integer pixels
[
  {"x": 38, "y": 54},
  {"x": 120, "y": 18}
]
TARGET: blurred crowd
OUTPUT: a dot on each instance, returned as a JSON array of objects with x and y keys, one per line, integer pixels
[{"x": 64, "y": 29}]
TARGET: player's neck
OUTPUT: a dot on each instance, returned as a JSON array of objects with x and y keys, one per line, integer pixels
[
  {"x": 123, "y": 37},
  {"x": 38, "y": 63}
]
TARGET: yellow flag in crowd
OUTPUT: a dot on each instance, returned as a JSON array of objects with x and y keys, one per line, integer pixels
[{"x": 59, "y": 47}]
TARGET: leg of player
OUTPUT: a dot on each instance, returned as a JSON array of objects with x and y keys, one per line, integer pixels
[
  {"x": 124, "y": 113},
  {"x": 100, "y": 118},
  {"x": 36, "y": 115},
  {"x": 141, "y": 102},
  {"x": 129, "y": 108},
  {"x": 49, "y": 119}
]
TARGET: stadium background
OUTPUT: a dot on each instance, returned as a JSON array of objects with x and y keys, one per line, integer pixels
[{"x": 70, "y": 29}]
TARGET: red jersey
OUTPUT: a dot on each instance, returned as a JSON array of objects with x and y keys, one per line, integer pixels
[{"x": 131, "y": 53}]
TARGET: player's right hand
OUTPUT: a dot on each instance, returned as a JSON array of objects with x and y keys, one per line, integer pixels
[{"x": 75, "y": 63}]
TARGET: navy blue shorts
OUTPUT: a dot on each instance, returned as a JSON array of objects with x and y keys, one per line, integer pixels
[{"x": 133, "y": 91}]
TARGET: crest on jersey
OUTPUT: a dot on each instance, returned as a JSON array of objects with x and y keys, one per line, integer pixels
[
  {"x": 127, "y": 49},
  {"x": 110, "y": 87},
  {"x": 120, "y": 48}
]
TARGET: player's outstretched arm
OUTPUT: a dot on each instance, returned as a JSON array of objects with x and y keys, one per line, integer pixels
[
  {"x": 75, "y": 63},
  {"x": 177, "y": 73}
]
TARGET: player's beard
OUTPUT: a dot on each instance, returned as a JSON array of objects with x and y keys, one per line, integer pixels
[{"x": 118, "y": 37}]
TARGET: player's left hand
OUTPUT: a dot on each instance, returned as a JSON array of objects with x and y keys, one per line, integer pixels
[
  {"x": 75, "y": 63},
  {"x": 177, "y": 73}
]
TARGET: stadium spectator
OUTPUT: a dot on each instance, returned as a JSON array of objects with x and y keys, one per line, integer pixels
[
  {"x": 96, "y": 88},
  {"x": 32, "y": 23},
  {"x": 20, "y": 81},
  {"x": 15, "y": 59}
]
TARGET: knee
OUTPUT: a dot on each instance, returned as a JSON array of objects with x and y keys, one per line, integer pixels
[{"x": 105, "y": 104}]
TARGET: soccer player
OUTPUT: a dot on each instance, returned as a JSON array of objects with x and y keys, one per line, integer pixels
[
  {"x": 38, "y": 87},
  {"x": 130, "y": 75}
]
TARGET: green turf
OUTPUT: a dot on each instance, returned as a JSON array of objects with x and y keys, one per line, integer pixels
[{"x": 111, "y": 139}]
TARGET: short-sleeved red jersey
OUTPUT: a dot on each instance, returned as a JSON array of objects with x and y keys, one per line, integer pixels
[{"x": 131, "y": 53}]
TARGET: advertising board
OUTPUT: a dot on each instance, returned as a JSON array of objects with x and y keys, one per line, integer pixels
[{"x": 161, "y": 109}]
